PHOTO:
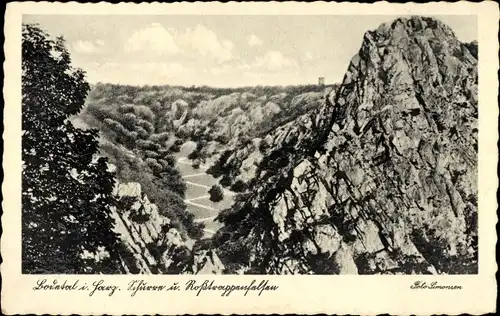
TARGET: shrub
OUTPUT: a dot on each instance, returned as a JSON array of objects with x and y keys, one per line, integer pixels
[
  {"x": 147, "y": 126},
  {"x": 129, "y": 120},
  {"x": 171, "y": 178},
  {"x": 239, "y": 186},
  {"x": 215, "y": 170},
  {"x": 144, "y": 112},
  {"x": 125, "y": 203},
  {"x": 263, "y": 146},
  {"x": 216, "y": 193},
  {"x": 147, "y": 145},
  {"x": 181, "y": 134},
  {"x": 175, "y": 148},
  {"x": 170, "y": 160},
  {"x": 139, "y": 218},
  {"x": 196, "y": 165},
  {"x": 225, "y": 181},
  {"x": 195, "y": 231},
  {"x": 151, "y": 154},
  {"x": 195, "y": 154},
  {"x": 155, "y": 167},
  {"x": 222, "y": 139},
  {"x": 219, "y": 168},
  {"x": 160, "y": 137},
  {"x": 234, "y": 254},
  {"x": 126, "y": 108}
]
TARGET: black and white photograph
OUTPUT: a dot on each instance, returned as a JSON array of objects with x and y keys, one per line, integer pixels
[{"x": 251, "y": 144}]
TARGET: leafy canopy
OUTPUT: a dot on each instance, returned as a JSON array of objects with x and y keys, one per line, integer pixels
[{"x": 67, "y": 191}]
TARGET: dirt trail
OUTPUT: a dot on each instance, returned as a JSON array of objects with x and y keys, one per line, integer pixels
[{"x": 198, "y": 202}]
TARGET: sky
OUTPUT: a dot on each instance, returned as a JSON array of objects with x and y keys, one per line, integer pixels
[{"x": 219, "y": 51}]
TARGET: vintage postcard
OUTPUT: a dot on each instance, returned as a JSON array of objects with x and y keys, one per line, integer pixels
[{"x": 250, "y": 158}]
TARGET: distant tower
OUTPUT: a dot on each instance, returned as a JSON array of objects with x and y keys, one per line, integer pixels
[{"x": 321, "y": 81}]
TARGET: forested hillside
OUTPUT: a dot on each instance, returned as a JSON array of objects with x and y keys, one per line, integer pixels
[{"x": 143, "y": 126}]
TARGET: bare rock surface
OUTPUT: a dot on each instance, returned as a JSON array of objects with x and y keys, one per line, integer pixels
[
  {"x": 382, "y": 178},
  {"x": 150, "y": 243},
  {"x": 207, "y": 262}
]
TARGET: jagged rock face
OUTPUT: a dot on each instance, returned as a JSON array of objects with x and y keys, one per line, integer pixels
[
  {"x": 149, "y": 243},
  {"x": 241, "y": 162},
  {"x": 404, "y": 148},
  {"x": 244, "y": 117},
  {"x": 207, "y": 262},
  {"x": 179, "y": 112},
  {"x": 388, "y": 183}
]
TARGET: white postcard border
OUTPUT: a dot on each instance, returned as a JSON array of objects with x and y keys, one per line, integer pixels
[{"x": 296, "y": 294}]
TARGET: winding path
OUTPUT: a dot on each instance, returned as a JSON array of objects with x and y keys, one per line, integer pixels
[{"x": 198, "y": 202}]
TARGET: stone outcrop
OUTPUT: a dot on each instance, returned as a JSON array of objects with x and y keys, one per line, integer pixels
[
  {"x": 240, "y": 162},
  {"x": 179, "y": 112},
  {"x": 207, "y": 262},
  {"x": 382, "y": 178},
  {"x": 150, "y": 243}
]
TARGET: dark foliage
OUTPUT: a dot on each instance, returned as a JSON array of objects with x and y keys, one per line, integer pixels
[
  {"x": 66, "y": 192},
  {"x": 239, "y": 186},
  {"x": 216, "y": 193}
]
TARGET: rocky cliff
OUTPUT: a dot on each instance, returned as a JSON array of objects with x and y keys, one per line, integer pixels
[
  {"x": 149, "y": 243},
  {"x": 286, "y": 135},
  {"x": 383, "y": 178}
]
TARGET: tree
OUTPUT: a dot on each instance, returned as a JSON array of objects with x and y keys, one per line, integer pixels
[
  {"x": 176, "y": 147},
  {"x": 216, "y": 193},
  {"x": 195, "y": 154},
  {"x": 171, "y": 179},
  {"x": 239, "y": 186},
  {"x": 66, "y": 190},
  {"x": 263, "y": 146}
]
